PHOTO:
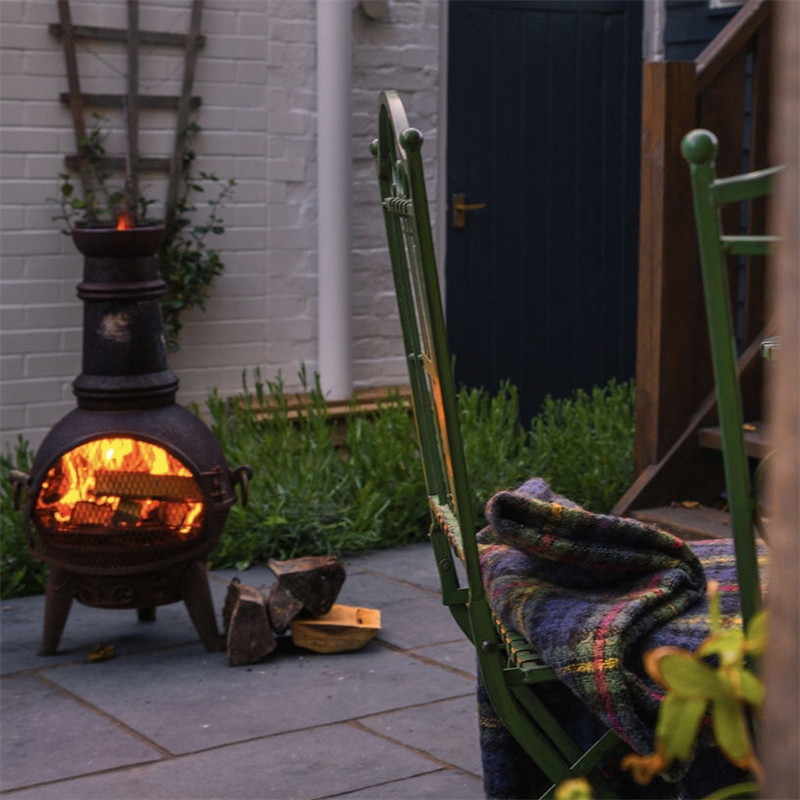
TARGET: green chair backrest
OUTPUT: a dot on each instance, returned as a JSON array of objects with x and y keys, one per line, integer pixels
[
  {"x": 710, "y": 193},
  {"x": 397, "y": 151},
  {"x": 510, "y": 669}
]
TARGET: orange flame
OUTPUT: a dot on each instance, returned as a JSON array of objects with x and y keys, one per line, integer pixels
[
  {"x": 122, "y": 482},
  {"x": 125, "y": 221}
]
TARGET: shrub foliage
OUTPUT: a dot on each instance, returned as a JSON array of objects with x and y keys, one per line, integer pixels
[{"x": 321, "y": 488}]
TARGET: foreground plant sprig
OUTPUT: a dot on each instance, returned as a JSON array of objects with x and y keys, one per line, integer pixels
[{"x": 693, "y": 685}]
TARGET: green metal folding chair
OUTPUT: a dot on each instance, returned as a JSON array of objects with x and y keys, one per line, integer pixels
[
  {"x": 710, "y": 194},
  {"x": 509, "y": 667}
]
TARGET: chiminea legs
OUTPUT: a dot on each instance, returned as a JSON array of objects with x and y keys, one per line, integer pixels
[
  {"x": 59, "y": 591},
  {"x": 197, "y": 598},
  {"x": 143, "y": 591}
]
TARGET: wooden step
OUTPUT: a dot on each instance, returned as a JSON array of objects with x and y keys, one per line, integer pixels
[
  {"x": 700, "y": 522},
  {"x": 755, "y": 439}
]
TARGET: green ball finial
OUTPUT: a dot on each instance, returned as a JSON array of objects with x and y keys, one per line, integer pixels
[
  {"x": 699, "y": 146},
  {"x": 411, "y": 140}
]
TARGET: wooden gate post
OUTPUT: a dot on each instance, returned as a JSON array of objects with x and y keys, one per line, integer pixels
[{"x": 670, "y": 295}]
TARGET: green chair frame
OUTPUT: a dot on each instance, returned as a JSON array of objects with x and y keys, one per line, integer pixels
[
  {"x": 710, "y": 194},
  {"x": 509, "y": 667}
]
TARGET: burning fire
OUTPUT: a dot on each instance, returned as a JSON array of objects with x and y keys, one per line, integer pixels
[
  {"x": 121, "y": 482},
  {"x": 125, "y": 221}
]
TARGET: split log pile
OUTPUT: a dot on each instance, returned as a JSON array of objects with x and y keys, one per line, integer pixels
[{"x": 303, "y": 602}]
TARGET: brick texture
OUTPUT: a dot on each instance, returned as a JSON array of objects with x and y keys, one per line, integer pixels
[{"x": 257, "y": 80}]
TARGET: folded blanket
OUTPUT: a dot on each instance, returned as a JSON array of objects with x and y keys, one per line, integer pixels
[{"x": 593, "y": 592}]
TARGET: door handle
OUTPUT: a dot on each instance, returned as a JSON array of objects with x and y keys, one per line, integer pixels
[{"x": 460, "y": 208}]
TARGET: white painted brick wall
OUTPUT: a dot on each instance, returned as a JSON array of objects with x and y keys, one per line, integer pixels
[{"x": 257, "y": 79}]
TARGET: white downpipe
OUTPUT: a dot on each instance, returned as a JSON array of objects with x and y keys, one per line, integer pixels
[{"x": 334, "y": 48}]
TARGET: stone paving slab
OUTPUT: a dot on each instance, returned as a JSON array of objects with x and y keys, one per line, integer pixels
[
  {"x": 414, "y": 564},
  {"x": 55, "y": 723},
  {"x": 443, "y": 784},
  {"x": 165, "y": 719},
  {"x": 439, "y": 729},
  {"x": 321, "y": 762},
  {"x": 21, "y": 632},
  {"x": 186, "y": 699},
  {"x": 458, "y": 655}
]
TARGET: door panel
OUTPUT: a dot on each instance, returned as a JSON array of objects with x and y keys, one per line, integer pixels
[{"x": 543, "y": 126}]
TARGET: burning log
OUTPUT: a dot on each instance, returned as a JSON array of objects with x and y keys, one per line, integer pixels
[
  {"x": 314, "y": 580},
  {"x": 86, "y": 513},
  {"x": 128, "y": 512},
  {"x": 249, "y": 636},
  {"x": 144, "y": 486}
]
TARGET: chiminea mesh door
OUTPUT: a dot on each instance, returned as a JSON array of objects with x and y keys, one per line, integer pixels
[{"x": 118, "y": 503}]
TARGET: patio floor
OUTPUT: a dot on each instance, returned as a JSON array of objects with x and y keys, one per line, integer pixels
[{"x": 165, "y": 719}]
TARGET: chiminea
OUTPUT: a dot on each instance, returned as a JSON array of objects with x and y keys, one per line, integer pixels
[{"x": 129, "y": 492}]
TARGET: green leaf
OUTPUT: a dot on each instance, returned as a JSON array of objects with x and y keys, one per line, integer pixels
[
  {"x": 678, "y": 723},
  {"x": 687, "y": 677},
  {"x": 728, "y": 645},
  {"x": 730, "y": 729},
  {"x": 747, "y": 686},
  {"x": 714, "y": 613}
]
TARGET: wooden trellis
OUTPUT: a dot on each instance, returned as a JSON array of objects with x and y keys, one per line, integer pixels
[{"x": 132, "y": 163}]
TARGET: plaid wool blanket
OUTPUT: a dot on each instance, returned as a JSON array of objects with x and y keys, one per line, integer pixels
[{"x": 593, "y": 592}]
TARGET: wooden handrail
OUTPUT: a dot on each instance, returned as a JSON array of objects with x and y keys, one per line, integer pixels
[{"x": 733, "y": 37}]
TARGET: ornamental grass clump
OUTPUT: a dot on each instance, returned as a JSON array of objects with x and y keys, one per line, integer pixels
[
  {"x": 20, "y": 573},
  {"x": 314, "y": 492}
]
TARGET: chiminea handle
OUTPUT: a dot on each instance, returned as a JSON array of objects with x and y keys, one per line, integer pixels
[
  {"x": 242, "y": 475},
  {"x": 20, "y": 481}
]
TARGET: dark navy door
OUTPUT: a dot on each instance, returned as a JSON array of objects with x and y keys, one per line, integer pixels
[{"x": 543, "y": 128}]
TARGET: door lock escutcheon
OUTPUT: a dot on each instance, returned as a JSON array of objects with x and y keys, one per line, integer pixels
[{"x": 460, "y": 208}]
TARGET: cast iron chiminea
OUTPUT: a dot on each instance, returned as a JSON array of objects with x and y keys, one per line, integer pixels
[{"x": 129, "y": 492}]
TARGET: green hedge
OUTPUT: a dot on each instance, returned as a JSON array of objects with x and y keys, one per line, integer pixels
[{"x": 315, "y": 490}]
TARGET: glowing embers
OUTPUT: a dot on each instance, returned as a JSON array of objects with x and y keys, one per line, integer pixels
[{"x": 120, "y": 484}]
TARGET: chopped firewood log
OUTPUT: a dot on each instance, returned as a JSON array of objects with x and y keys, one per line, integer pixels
[
  {"x": 88, "y": 513},
  {"x": 128, "y": 512},
  {"x": 314, "y": 580},
  {"x": 144, "y": 486},
  {"x": 249, "y": 634},
  {"x": 231, "y": 597},
  {"x": 342, "y": 629},
  {"x": 282, "y": 607}
]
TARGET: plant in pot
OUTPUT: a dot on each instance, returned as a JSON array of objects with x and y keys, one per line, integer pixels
[{"x": 187, "y": 262}]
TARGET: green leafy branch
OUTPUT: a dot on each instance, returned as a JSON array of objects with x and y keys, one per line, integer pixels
[
  {"x": 187, "y": 262},
  {"x": 101, "y": 203},
  {"x": 693, "y": 685}
]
